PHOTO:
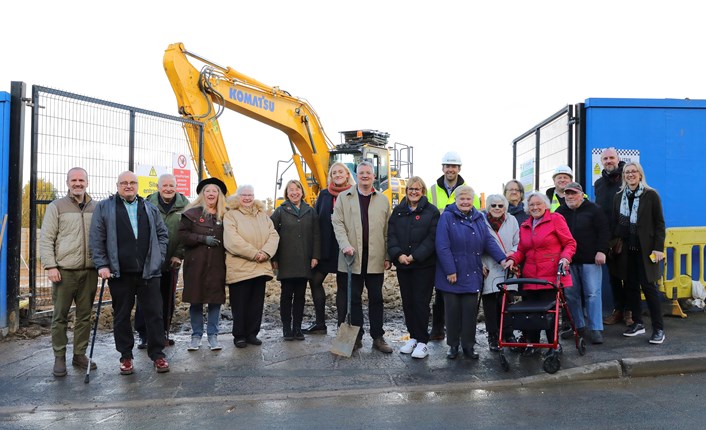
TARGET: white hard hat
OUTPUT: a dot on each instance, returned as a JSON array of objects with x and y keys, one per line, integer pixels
[
  {"x": 565, "y": 170},
  {"x": 451, "y": 158}
]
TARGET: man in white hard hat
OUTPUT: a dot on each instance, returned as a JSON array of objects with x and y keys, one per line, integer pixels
[
  {"x": 562, "y": 176},
  {"x": 442, "y": 194}
]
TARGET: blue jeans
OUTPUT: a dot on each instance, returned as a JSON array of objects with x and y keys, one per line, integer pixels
[
  {"x": 196, "y": 314},
  {"x": 587, "y": 279}
]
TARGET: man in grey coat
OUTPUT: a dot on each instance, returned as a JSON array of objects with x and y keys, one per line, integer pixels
[
  {"x": 360, "y": 224},
  {"x": 128, "y": 243}
]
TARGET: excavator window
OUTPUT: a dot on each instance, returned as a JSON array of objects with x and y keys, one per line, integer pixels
[{"x": 381, "y": 168}]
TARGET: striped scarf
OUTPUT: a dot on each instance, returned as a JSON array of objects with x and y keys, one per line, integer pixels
[{"x": 627, "y": 218}]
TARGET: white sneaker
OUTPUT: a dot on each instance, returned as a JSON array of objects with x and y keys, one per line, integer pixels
[
  {"x": 420, "y": 351},
  {"x": 195, "y": 344},
  {"x": 213, "y": 343},
  {"x": 408, "y": 347}
]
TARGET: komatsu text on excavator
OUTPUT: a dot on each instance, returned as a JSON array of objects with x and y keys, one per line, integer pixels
[{"x": 203, "y": 95}]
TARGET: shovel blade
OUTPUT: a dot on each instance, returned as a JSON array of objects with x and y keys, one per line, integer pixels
[{"x": 345, "y": 340}]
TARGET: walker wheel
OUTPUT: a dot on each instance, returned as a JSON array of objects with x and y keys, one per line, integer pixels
[
  {"x": 582, "y": 346},
  {"x": 504, "y": 363},
  {"x": 552, "y": 364}
]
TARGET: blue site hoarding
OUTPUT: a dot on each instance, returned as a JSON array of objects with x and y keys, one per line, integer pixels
[
  {"x": 4, "y": 188},
  {"x": 670, "y": 137}
]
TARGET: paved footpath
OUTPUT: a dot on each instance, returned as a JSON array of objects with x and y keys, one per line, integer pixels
[{"x": 301, "y": 369}]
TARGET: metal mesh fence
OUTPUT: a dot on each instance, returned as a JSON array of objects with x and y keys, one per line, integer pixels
[{"x": 104, "y": 138}]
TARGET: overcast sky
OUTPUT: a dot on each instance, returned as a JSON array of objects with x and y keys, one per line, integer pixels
[{"x": 444, "y": 75}]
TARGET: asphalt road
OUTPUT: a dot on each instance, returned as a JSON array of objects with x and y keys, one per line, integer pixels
[{"x": 667, "y": 402}]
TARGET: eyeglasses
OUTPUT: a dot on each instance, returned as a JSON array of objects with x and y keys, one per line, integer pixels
[
  {"x": 630, "y": 172},
  {"x": 415, "y": 190},
  {"x": 126, "y": 183},
  {"x": 511, "y": 190},
  {"x": 497, "y": 205},
  {"x": 570, "y": 192}
]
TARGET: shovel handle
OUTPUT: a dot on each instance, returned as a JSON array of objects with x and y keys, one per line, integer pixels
[{"x": 350, "y": 259}]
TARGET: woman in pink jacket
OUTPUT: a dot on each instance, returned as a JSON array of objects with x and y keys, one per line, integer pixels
[{"x": 545, "y": 242}]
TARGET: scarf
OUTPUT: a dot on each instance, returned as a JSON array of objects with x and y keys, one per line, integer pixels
[
  {"x": 512, "y": 209},
  {"x": 627, "y": 218},
  {"x": 335, "y": 191},
  {"x": 496, "y": 223}
]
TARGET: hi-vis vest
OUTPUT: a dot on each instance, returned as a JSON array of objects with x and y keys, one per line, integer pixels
[{"x": 438, "y": 197}]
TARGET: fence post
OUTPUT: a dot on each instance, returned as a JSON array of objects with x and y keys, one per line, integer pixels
[{"x": 14, "y": 203}]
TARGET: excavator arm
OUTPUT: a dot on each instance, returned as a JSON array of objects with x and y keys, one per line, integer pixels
[{"x": 202, "y": 96}]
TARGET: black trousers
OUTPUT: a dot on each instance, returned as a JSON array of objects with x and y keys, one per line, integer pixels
[
  {"x": 165, "y": 289},
  {"x": 638, "y": 278},
  {"x": 492, "y": 306},
  {"x": 437, "y": 317},
  {"x": 247, "y": 299},
  {"x": 291, "y": 302},
  {"x": 318, "y": 296},
  {"x": 123, "y": 291},
  {"x": 373, "y": 283},
  {"x": 461, "y": 316},
  {"x": 619, "y": 301},
  {"x": 416, "y": 287}
]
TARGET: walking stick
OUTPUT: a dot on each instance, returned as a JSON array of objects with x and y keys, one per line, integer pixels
[
  {"x": 95, "y": 329},
  {"x": 175, "y": 277}
]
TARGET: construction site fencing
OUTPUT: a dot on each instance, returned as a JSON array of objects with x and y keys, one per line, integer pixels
[{"x": 105, "y": 138}]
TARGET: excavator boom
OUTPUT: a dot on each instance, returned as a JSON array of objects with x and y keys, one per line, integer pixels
[{"x": 202, "y": 95}]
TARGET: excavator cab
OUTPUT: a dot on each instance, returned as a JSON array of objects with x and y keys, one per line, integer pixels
[{"x": 369, "y": 145}]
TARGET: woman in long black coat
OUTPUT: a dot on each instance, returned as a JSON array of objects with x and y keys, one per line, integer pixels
[
  {"x": 201, "y": 232},
  {"x": 339, "y": 180},
  {"x": 297, "y": 254},
  {"x": 638, "y": 222},
  {"x": 411, "y": 233}
]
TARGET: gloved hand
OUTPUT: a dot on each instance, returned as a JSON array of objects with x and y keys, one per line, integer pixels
[{"x": 210, "y": 241}]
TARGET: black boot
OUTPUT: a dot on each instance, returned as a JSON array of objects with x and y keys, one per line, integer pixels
[
  {"x": 493, "y": 342},
  {"x": 315, "y": 328},
  {"x": 287, "y": 333}
]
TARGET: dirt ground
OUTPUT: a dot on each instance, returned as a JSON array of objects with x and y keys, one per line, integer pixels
[{"x": 394, "y": 319}]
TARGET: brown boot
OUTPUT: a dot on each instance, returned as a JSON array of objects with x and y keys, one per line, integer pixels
[
  {"x": 382, "y": 346},
  {"x": 614, "y": 318},
  {"x": 82, "y": 362},
  {"x": 59, "y": 366},
  {"x": 628, "y": 318}
]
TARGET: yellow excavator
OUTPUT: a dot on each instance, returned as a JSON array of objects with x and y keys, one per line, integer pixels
[{"x": 202, "y": 95}]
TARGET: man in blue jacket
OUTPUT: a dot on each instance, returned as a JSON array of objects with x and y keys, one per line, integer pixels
[{"x": 128, "y": 243}]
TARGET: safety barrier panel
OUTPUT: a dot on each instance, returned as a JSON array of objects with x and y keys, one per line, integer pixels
[{"x": 685, "y": 250}]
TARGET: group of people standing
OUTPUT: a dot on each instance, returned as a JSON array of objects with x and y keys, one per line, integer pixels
[
  {"x": 624, "y": 229},
  {"x": 437, "y": 238}
]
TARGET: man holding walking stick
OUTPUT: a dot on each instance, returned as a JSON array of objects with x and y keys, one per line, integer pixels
[
  {"x": 128, "y": 242},
  {"x": 63, "y": 248}
]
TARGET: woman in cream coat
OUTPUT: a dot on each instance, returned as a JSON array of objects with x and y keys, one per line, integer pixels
[{"x": 250, "y": 240}]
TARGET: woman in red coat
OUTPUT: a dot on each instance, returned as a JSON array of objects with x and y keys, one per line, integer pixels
[{"x": 545, "y": 242}]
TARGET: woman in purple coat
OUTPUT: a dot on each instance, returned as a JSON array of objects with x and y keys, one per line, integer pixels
[{"x": 462, "y": 237}]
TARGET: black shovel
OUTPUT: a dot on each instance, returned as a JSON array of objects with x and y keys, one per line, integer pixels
[{"x": 347, "y": 334}]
